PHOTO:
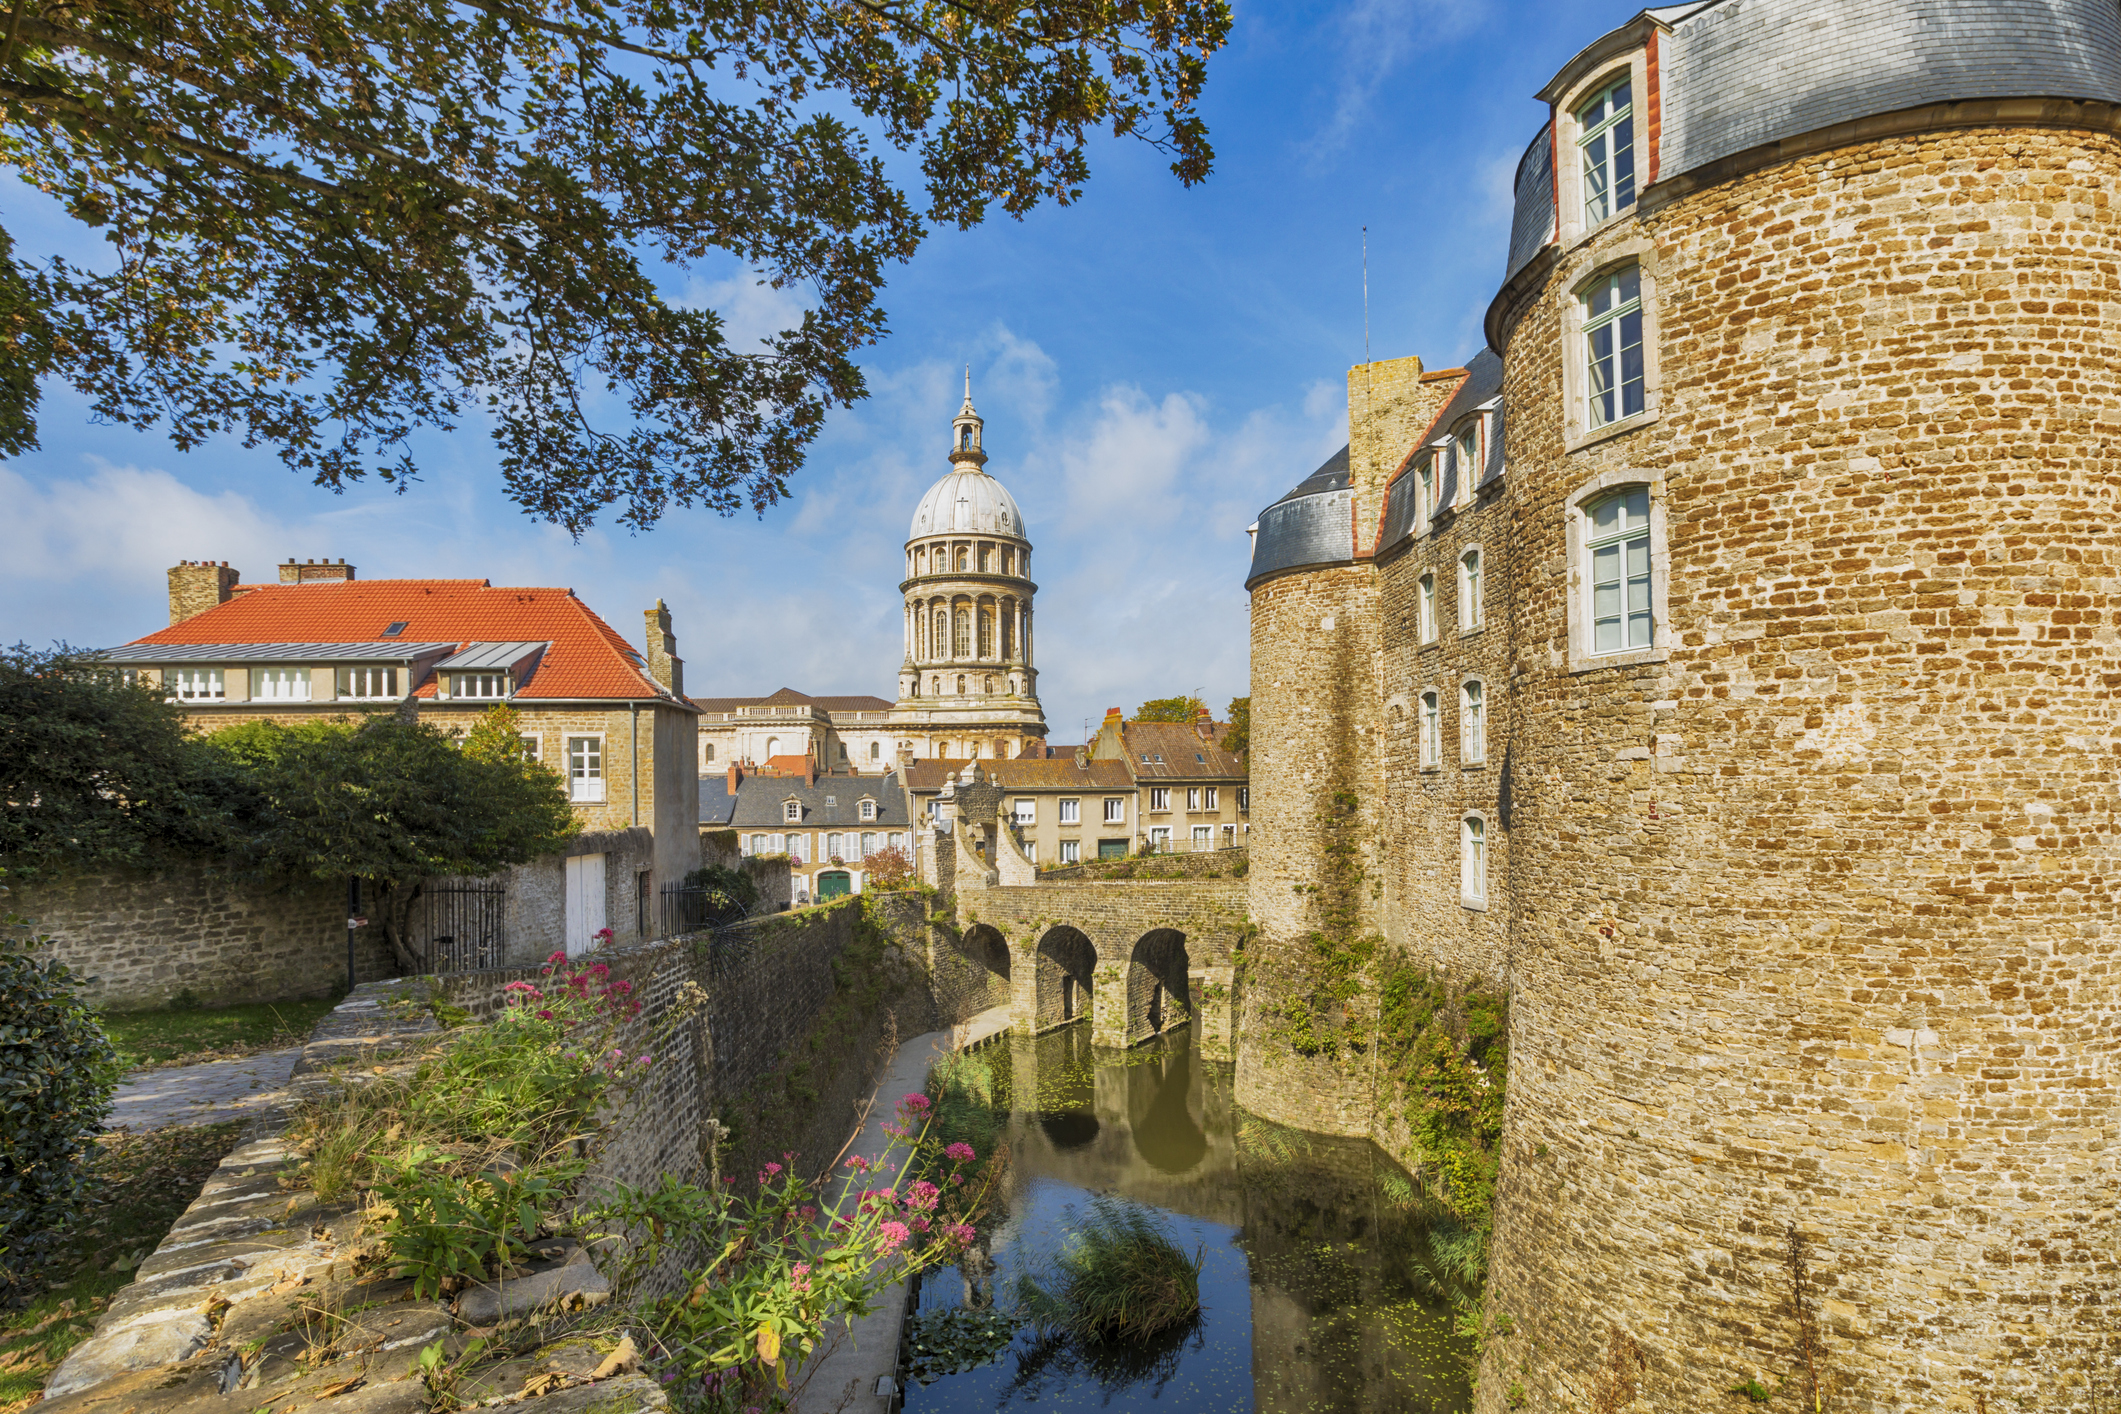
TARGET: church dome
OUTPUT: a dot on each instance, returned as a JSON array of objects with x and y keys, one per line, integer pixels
[{"x": 967, "y": 501}]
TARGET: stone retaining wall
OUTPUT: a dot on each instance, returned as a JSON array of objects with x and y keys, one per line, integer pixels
[
  {"x": 1205, "y": 864},
  {"x": 144, "y": 939}
]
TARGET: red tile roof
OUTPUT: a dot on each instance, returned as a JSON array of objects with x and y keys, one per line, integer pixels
[{"x": 588, "y": 658}]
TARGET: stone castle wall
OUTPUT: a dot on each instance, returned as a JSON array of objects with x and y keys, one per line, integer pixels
[
  {"x": 1811, "y": 920},
  {"x": 147, "y": 938}
]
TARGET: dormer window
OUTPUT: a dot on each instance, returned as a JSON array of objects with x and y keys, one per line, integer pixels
[
  {"x": 1426, "y": 473},
  {"x": 868, "y": 809},
  {"x": 369, "y": 683},
  {"x": 1606, "y": 137},
  {"x": 792, "y": 812},
  {"x": 1465, "y": 443},
  {"x": 478, "y": 685}
]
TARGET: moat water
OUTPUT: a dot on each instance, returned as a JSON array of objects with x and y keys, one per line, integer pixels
[{"x": 1311, "y": 1287}]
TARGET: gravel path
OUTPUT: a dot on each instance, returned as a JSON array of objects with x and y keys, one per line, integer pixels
[{"x": 204, "y": 1094}]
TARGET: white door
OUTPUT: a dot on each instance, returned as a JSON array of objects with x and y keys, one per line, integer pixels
[{"x": 585, "y": 902}]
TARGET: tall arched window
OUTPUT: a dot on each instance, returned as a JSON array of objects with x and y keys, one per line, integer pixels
[
  {"x": 1473, "y": 860},
  {"x": 986, "y": 633},
  {"x": 940, "y": 647},
  {"x": 964, "y": 438},
  {"x": 920, "y": 561},
  {"x": 964, "y": 558},
  {"x": 1472, "y": 722},
  {"x": 1431, "y": 727},
  {"x": 1471, "y": 609},
  {"x": 1425, "y": 609},
  {"x": 1008, "y": 620},
  {"x": 773, "y": 747},
  {"x": 961, "y": 683},
  {"x": 1612, "y": 339},
  {"x": 964, "y": 633},
  {"x": 1607, "y": 128},
  {"x": 1617, "y": 539}
]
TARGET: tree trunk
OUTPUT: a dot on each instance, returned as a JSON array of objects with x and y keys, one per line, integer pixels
[{"x": 397, "y": 905}]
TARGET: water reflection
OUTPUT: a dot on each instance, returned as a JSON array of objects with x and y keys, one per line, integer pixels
[{"x": 1311, "y": 1302}]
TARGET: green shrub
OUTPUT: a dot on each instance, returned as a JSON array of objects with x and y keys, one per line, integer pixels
[
  {"x": 57, "y": 1072},
  {"x": 1120, "y": 1278},
  {"x": 443, "y": 1224},
  {"x": 732, "y": 893}
]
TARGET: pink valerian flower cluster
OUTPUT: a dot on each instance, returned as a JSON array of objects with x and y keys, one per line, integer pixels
[
  {"x": 922, "y": 1196},
  {"x": 915, "y": 1104},
  {"x": 961, "y": 1152},
  {"x": 768, "y": 1173},
  {"x": 894, "y": 1235},
  {"x": 961, "y": 1233},
  {"x": 799, "y": 1279}
]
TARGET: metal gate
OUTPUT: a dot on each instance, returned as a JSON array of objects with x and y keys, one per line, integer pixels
[
  {"x": 689, "y": 910},
  {"x": 465, "y": 927}
]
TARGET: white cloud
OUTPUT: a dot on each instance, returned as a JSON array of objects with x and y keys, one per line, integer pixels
[
  {"x": 752, "y": 310},
  {"x": 1377, "y": 39}
]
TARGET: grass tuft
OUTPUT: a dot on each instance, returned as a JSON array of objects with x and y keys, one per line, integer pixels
[
  {"x": 191, "y": 1035},
  {"x": 1120, "y": 1278}
]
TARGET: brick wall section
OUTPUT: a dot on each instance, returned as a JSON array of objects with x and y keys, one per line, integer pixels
[
  {"x": 1811, "y": 923},
  {"x": 146, "y": 937}
]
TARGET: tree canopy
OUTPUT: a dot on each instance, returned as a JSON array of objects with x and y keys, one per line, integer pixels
[
  {"x": 333, "y": 224},
  {"x": 1171, "y": 709},
  {"x": 96, "y": 771},
  {"x": 1238, "y": 739}
]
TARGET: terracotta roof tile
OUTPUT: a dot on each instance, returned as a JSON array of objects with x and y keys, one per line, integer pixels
[
  {"x": 1184, "y": 754},
  {"x": 588, "y": 658}
]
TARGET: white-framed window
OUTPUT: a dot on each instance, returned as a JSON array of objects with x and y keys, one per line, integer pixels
[
  {"x": 1160, "y": 839},
  {"x": 1425, "y": 478},
  {"x": 1229, "y": 837},
  {"x": 1203, "y": 838},
  {"x": 868, "y": 809},
  {"x": 1026, "y": 810},
  {"x": 279, "y": 684},
  {"x": 835, "y": 846},
  {"x": 532, "y": 748},
  {"x": 1431, "y": 729},
  {"x": 799, "y": 849},
  {"x": 1617, "y": 543},
  {"x": 1425, "y": 609},
  {"x": 585, "y": 769},
  {"x": 897, "y": 840},
  {"x": 792, "y": 812},
  {"x": 868, "y": 843},
  {"x": 964, "y": 635},
  {"x": 964, "y": 558},
  {"x": 1071, "y": 851},
  {"x": 780, "y": 844},
  {"x": 198, "y": 684},
  {"x": 1209, "y": 796},
  {"x": 478, "y": 685},
  {"x": 1615, "y": 381},
  {"x": 1471, "y": 609},
  {"x": 1192, "y": 797},
  {"x": 1473, "y": 861},
  {"x": 1605, "y": 136},
  {"x": 1159, "y": 799},
  {"x": 1071, "y": 812},
  {"x": 368, "y": 683},
  {"x": 1465, "y": 445},
  {"x": 755, "y": 844},
  {"x": 1115, "y": 809},
  {"x": 1472, "y": 722},
  {"x": 1244, "y": 800}
]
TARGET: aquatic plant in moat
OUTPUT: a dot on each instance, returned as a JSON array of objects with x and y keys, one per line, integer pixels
[{"x": 1120, "y": 1277}]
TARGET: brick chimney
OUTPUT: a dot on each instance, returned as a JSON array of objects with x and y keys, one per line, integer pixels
[
  {"x": 198, "y": 585},
  {"x": 1204, "y": 724},
  {"x": 736, "y": 777},
  {"x": 316, "y": 572},
  {"x": 664, "y": 665}
]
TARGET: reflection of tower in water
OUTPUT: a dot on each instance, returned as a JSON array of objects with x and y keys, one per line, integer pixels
[{"x": 1158, "y": 1112}]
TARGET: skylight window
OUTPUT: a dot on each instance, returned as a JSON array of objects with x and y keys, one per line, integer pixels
[{"x": 395, "y": 629}]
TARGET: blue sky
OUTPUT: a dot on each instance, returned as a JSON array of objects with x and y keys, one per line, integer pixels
[{"x": 1155, "y": 365}]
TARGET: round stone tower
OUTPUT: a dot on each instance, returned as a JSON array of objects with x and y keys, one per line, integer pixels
[
  {"x": 1797, "y": 659},
  {"x": 967, "y": 685},
  {"x": 1813, "y": 458}
]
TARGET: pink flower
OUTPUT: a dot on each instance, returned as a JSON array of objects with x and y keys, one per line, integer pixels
[
  {"x": 922, "y": 1195},
  {"x": 643, "y": 1060},
  {"x": 858, "y": 1164},
  {"x": 962, "y": 1152},
  {"x": 894, "y": 1235},
  {"x": 560, "y": 956},
  {"x": 528, "y": 988},
  {"x": 920, "y": 1224},
  {"x": 916, "y": 1103},
  {"x": 962, "y": 1233},
  {"x": 957, "y": 1178},
  {"x": 768, "y": 1172},
  {"x": 544, "y": 1015},
  {"x": 799, "y": 1279}
]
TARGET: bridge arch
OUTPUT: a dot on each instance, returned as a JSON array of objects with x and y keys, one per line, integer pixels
[
  {"x": 972, "y": 972},
  {"x": 1158, "y": 996},
  {"x": 1065, "y": 961}
]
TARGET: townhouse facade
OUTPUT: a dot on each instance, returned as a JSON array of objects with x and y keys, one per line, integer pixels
[{"x": 828, "y": 825}]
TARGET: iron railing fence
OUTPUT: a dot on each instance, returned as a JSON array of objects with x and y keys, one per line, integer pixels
[
  {"x": 464, "y": 926},
  {"x": 689, "y": 910}
]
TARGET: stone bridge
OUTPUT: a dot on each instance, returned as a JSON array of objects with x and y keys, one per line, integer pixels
[{"x": 1135, "y": 957}]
